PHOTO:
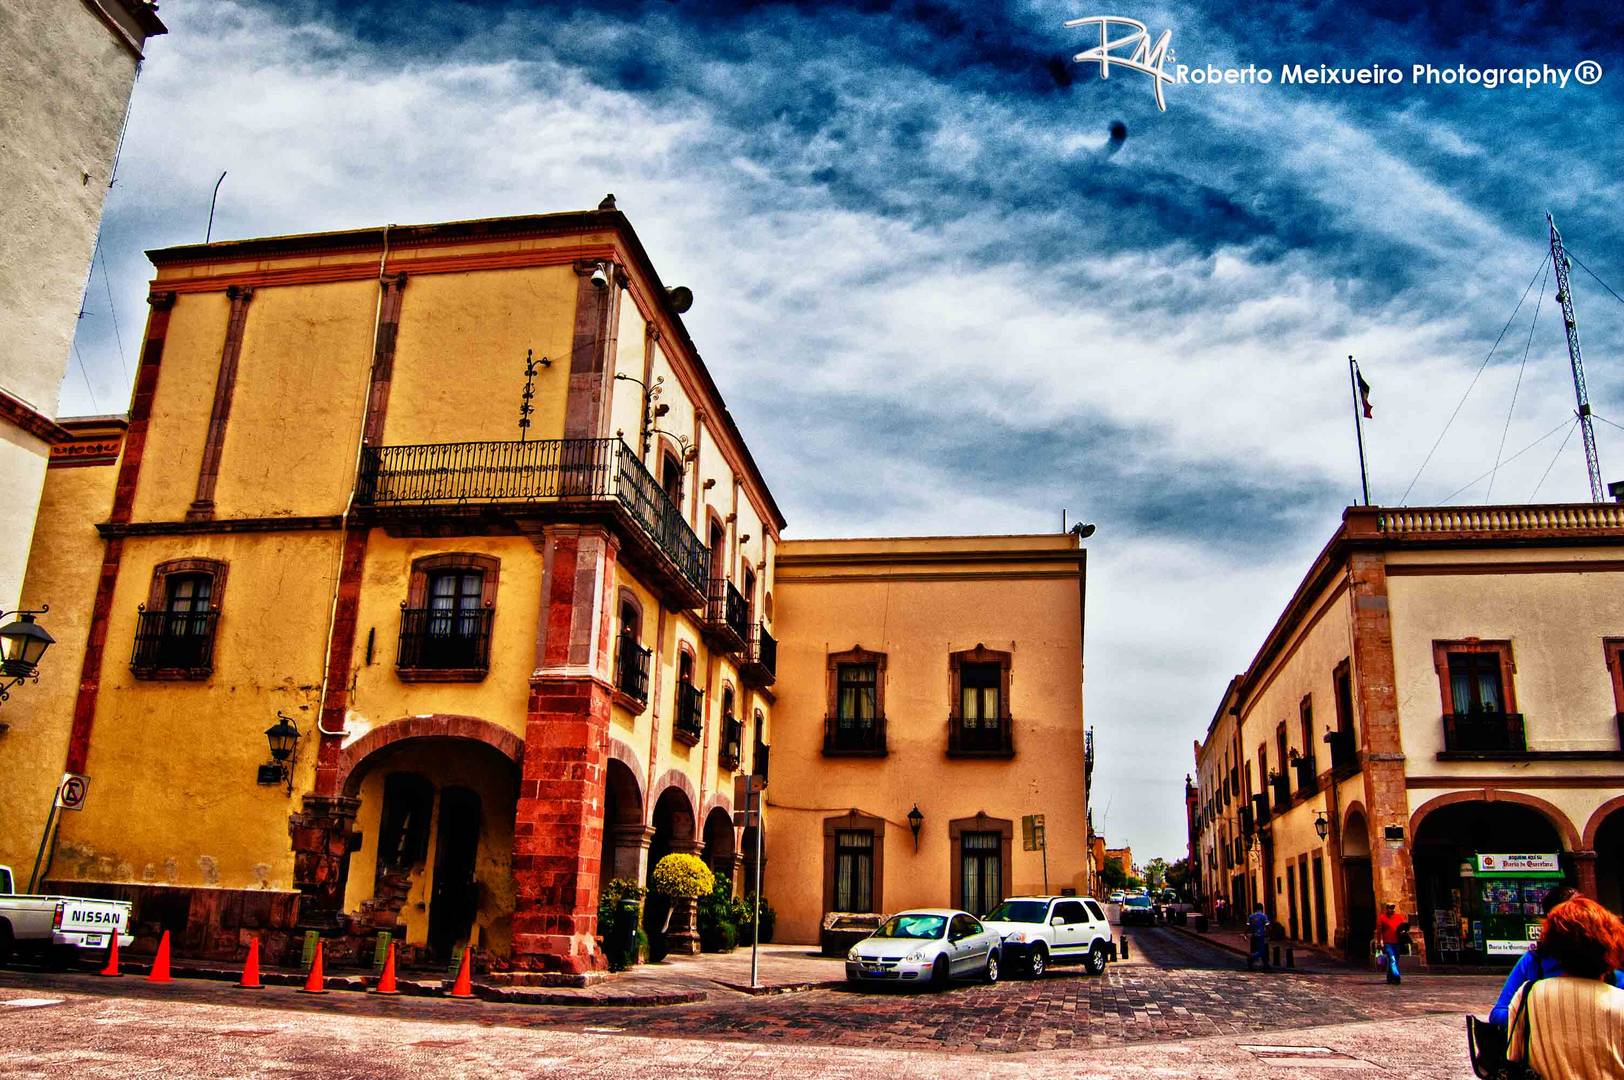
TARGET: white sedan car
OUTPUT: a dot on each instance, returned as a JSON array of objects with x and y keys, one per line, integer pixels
[{"x": 928, "y": 945}]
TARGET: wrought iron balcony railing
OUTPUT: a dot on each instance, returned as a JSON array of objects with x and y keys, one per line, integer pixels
[
  {"x": 1244, "y": 815},
  {"x": 980, "y": 738},
  {"x": 732, "y": 749},
  {"x": 759, "y": 666},
  {"x": 537, "y": 470},
  {"x": 631, "y": 668},
  {"x": 726, "y": 616},
  {"x": 1281, "y": 784},
  {"x": 1344, "y": 752},
  {"x": 1484, "y": 733},
  {"x": 760, "y": 761},
  {"x": 1307, "y": 775},
  {"x": 442, "y": 639},
  {"x": 1088, "y": 752},
  {"x": 690, "y": 723},
  {"x": 1260, "y": 808},
  {"x": 174, "y": 643},
  {"x": 854, "y": 736}
]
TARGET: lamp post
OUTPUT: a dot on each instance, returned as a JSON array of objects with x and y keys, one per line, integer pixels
[
  {"x": 1322, "y": 824},
  {"x": 651, "y": 395},
  {"x": 22, "y": 643},
  {"x": 915, "y": 821}
]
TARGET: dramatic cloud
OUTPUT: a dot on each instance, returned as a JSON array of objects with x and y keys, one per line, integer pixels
[{"x": 950, "y": 280}]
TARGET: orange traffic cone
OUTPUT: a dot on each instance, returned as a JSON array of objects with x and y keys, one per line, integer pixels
[
  {"x": 111, "y": 970},
  {"x": 250, "y": 970},
  {"x": 316, "y": 983},
  {"x": 463, "y": 988},
  {"x": 386, "y": 981},
  {"x": 160, "y": 962}
]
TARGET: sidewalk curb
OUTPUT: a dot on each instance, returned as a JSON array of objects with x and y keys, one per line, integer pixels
[{"x": 783, "y": 988}]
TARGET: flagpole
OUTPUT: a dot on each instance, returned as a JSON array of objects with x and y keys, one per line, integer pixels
[{"x": 1359, "y": 428}]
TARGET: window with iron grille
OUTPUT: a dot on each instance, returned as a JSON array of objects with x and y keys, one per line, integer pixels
[
  {"x": 981, "y": 871},
  {"x": 174, "y": 636},
  {"x": 445, "y": 620}
]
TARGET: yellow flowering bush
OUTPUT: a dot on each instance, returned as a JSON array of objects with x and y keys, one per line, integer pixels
[{"x": 683, "y": 876}]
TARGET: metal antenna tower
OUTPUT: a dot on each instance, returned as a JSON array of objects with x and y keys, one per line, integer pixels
[{"x": 1564, "y": 296}]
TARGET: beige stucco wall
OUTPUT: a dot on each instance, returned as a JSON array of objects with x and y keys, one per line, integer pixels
[
  {"x": 23, "y": 456},
  {"x": 65, "y": 80},
  {"x": 917, "y": 615}
]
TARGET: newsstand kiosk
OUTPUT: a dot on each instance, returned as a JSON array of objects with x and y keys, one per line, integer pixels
[{"x": 1505, "y": 896}]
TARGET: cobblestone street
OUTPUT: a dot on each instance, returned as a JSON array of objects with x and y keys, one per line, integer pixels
[{"x": 1176, "y": 1000}]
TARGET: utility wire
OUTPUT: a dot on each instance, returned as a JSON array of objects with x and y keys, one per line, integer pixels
[
  {"x": 1508, "y": 461},
  {"x": 1592, "y": 273},
  {"x": 1404, "y": 499},
  {"x": 113, "y": 312},
  {"x": 1517, "y": 388},
  {"x": 1552, "y": 465},
  {"x": 85, "y": 374},
  {"x": 1606, "y": 421}
]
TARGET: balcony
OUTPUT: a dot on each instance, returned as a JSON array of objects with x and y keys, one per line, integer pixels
[
  {"x": 571, "y": 478},
  {"x": 1307, "y": 770},
  {"x": 174, "y": 644},
  {"x": 1484, "y": 733},
  {"x": 732, "y": 744},
  {"x": 727, "y": 620},
  {"x": 444, "y": 645},
  {"x": 1344, "y": 753},
  {"x": 690, "y": 723},
  {"x": 1260, "y": 808},
  {"x": 1247, "y": 825},
  {"x": 759, "y": 763},
  {"x": 1280, "y": 783},
  {"x": 846, "y": 736},
  {"x": 759, "y": 666},
  {"x": 980, "y": 738},
  {"x": 631, "y": 672}
]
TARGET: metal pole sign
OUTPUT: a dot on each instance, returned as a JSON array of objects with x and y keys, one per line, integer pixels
[
  {"x": 747, "y": 788},
  {"x": 71, "y": 793}
]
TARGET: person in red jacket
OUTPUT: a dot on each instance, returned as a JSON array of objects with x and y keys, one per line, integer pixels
[{"x": 1390, "y": 929}]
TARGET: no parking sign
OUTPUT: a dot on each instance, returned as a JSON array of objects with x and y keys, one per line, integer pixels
[{"x": 71, "y": 792}]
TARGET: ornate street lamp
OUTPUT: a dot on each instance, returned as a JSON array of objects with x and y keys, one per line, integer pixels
[
  {"x": 915, "y": 821},
  {"x": 22, "y": 644},
  {"x": 1322, "y": 824},
  {"x": 284, "y": 738}
]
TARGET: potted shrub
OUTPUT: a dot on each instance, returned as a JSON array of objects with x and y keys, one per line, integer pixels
[
  {"x": 746, "y": 927},
  {"x": 620, "y": 907},
  {"x": 718, "y": 918},
  {"x": 683, "y": 878}
]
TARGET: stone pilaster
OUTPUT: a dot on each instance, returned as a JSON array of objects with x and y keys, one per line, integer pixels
[{"x": 320, "y": 832}]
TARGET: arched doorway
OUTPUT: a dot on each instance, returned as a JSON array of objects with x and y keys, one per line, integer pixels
[
  {"x": 673, "y": 822},
  {"x": 1454, "y": 833},
  {"x": 623, "y": 830},
  {"x": 1358, "y": 885},
  {"x": 719, "y": 847},
  {"x": 434, "y": 861},
  {"x": 1609, "y": 848}
]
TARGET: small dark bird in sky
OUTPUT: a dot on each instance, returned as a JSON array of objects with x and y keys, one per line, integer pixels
[{"x": 1119, "y": 135}]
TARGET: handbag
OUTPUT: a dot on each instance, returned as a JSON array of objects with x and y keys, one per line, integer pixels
[{"x": 1488, "y": 1045}]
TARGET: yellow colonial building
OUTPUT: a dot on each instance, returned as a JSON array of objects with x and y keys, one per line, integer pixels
[
  {"x": 1435, "y": 721},
  {"x": 461, "y": 506}
]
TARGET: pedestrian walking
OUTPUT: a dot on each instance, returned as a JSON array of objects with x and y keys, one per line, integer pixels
[
  {"x": 1390, "y": 929},
  {"x": 1257, "y": 929},
  {"x": 1572, "y": 1025}
]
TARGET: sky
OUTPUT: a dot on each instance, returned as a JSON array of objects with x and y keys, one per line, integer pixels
[{"x": 951, "y": 280}]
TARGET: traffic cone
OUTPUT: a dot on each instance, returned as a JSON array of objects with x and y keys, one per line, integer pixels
[
  {"x": 111, "y": 970},
  {"x": 386, "y": 981},
  {"x": 316, "y": 983},
  {"x": 160, "y": 962},
  {"x": 250, "y": 969},
  {"x": 463, "y": 988}
]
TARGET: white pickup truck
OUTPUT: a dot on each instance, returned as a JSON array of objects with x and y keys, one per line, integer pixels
[{"x": 57, "y": 926}]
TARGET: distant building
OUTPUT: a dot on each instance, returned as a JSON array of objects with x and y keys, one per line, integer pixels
[
  {"x": 66, "y": 71},
  {"x": 1123, "y": 857},
  {"x": 1435, "y": 721}
]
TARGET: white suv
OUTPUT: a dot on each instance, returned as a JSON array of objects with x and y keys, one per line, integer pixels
[{"x": 1043, "y": 930}]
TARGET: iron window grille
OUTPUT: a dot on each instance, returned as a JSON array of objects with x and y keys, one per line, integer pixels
[
  {"x": 980, "y": 737},
  {"x": 732, "y": 751},
  {"x": 450, "y": 639},
  {"x": 1484, "y": 733},
  {"x": 174, "y": 641},
  {"x": 690, "y": 722},
  {"x": 632, "y": 668}
]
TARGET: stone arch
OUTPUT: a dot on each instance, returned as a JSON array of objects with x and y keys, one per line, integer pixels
[
  {"x": 717, "y": 800},
  {"x": 1593, "y": 826},
  {"x": 619, "y": 751},
  {"x": 1557, "y": 819},
  {"x": 432, "y": 726},
  {"x": 673, "y": 778},
  {"x": 1361, "y": 850},
  {"x": 721, "y": 841}
]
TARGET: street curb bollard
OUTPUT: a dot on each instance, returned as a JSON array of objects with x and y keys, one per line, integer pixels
[
  {"x": 1124, "y": 946},
  {"x": 1291, "y": 957}
]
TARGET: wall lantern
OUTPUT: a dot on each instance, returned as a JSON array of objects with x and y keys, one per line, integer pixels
[
  {"x": 1322, "y": 824},
  {"x": 915, "y": 820},
  {"x": 284, "y": 739},
  {"x": 22, "y": 644}
]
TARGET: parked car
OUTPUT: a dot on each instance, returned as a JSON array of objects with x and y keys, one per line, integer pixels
[
  {"x": 1042, "y": 930},
  {"x": 1116, "y": 897},
  {"x": 1137, "y": 910},
  {"x": 57, "y": 927},
  {"x": 926, "y": 945}
]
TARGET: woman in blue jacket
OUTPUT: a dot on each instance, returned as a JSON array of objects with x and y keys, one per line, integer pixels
[{"x": 1535, "y": 965}]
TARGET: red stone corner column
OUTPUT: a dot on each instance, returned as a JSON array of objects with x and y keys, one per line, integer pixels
[{"x": 558, "y": 824}]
